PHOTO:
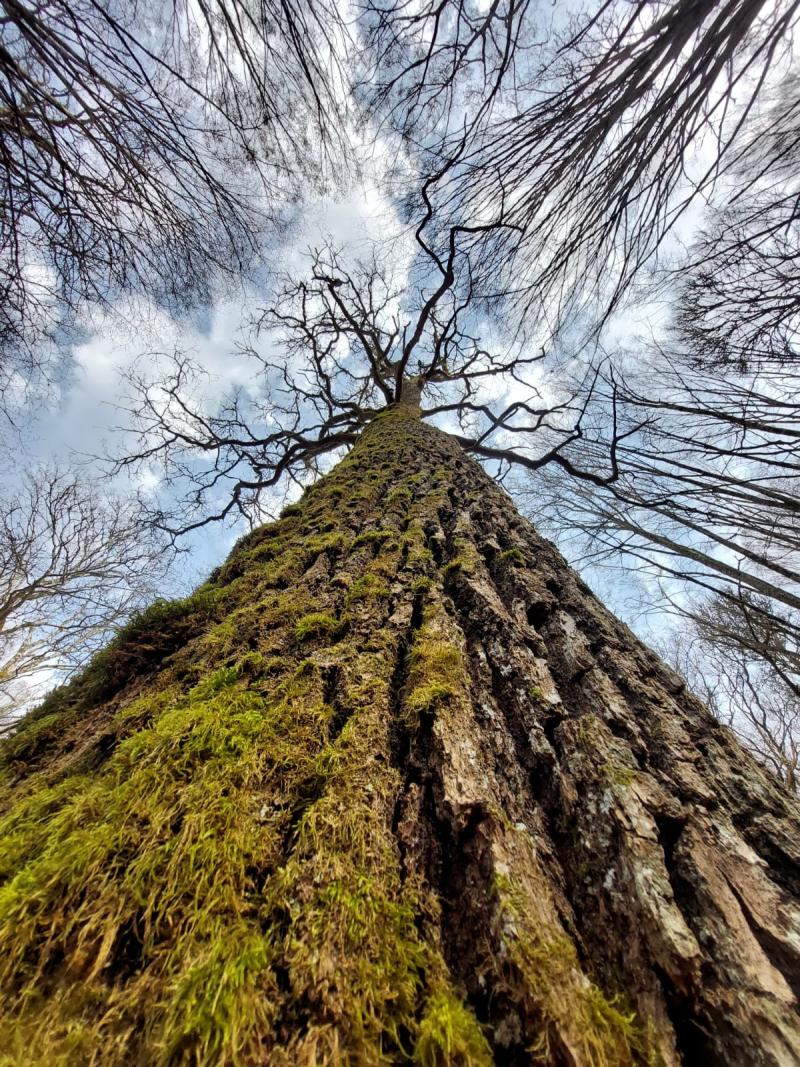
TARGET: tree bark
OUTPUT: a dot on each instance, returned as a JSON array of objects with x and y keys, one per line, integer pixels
[{"x": 393, "y": 786}]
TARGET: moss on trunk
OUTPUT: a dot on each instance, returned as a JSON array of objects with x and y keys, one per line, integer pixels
[{"x": 392, "y": 787}]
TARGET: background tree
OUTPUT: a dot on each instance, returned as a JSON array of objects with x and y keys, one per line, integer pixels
[
  {"x": 709, "y": 475},
  {"x": 745, "y": 667},
  {"x": 349, "y": 342},
  {"x": 738, "y": 303},
  {"x": 74, "y": 563},
  {"x": 581, "y": 139}
]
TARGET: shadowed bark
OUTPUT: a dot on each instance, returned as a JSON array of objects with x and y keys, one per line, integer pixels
[{"x": 393, "y": 787}]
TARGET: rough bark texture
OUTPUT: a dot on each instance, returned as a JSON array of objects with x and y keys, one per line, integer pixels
[{"x": 392, "y": 787}]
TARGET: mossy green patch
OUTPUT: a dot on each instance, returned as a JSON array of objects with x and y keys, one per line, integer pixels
[
  {"x": 373, "y": 537},
  {"x": 549, "y": 973},
  {"x": 463, "y": 562},
  {"x": 29, "y": 737},
  {"x": 369, "y": 585},
  {"x": 330, "y": 541},
  {"x": 152, "y": 868},
  {"x": 436, "y": 668},
  {"x": 620, "y": 774},
  {"x": 511, "y": 557},
  {"x": 317, "y": 624},
  {"x": 449, "y": 1035},
  {"x": 401, "y": 495}
]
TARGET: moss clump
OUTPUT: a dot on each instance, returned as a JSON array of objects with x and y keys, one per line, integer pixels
[
  {"x": 290, "y": 510},
  {"x": 464, "y": 562},
  {"x": 436, "y": 668},
  {"x": 317, "y": 624},
  {"x": 31, "y": 735},
  {"x": 549, "y": 973},
  {"x": 400, "y": 495},
  {"x": 373, "y": 537},
  {"x": 367, "y": 586},
  {"x": 620, "y": 774},
  {"x": 353, "y": 942},
  {"x": 589, "y": 729},
  {"x": 331, "y": 541},
  {"x": 449, "y": 1035},
  {"x": 510, "y": 557},
  {"x": 419, "y": 555}
]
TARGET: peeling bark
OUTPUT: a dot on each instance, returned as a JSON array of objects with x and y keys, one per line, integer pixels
[{"x": 477, "y": 821}]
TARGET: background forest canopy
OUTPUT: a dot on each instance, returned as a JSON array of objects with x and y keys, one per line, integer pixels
[{"x": 233, "y": 231}]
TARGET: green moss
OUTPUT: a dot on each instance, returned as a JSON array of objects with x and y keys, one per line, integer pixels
[
  {"x": 436, "y": 669},
  {"x": 163, "y": 612},
  {"x": 367, "y": 586},
  {"x": 511, "y": 556},
  {"x": 465, "y": 562},
  {"x": 331, "y": 541},
  {"x": 619, "y": 774},
  {"x": 290, "y": 510},
  {"x": 449, "y": 1035},
  {"x": 316, "y": 624},
  {"x": 264, "y": 550},
  {"x": 420, "y": 556},
  {"x": 221, "y": 1028},
  {"x": 30, "y": 736},
  {"x": 352, "y": 920},
  {"x": 425, "y": 696},
  {"x": 108, "y": 855},
  {"x": 549, "y": 970},
  {"x": 371, "y": 537},
  {"x": 160, "y": 851},
  {"x": 146, "y": 630},
  {"x": 588, "y": 729},
  {"x": 400, "y": 495}
]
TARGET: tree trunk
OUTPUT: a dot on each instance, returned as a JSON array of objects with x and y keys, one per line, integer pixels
[{"x": 392, "y": 787}]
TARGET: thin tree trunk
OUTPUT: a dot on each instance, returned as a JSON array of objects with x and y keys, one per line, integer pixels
[{"x": 393, "y": 787}]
